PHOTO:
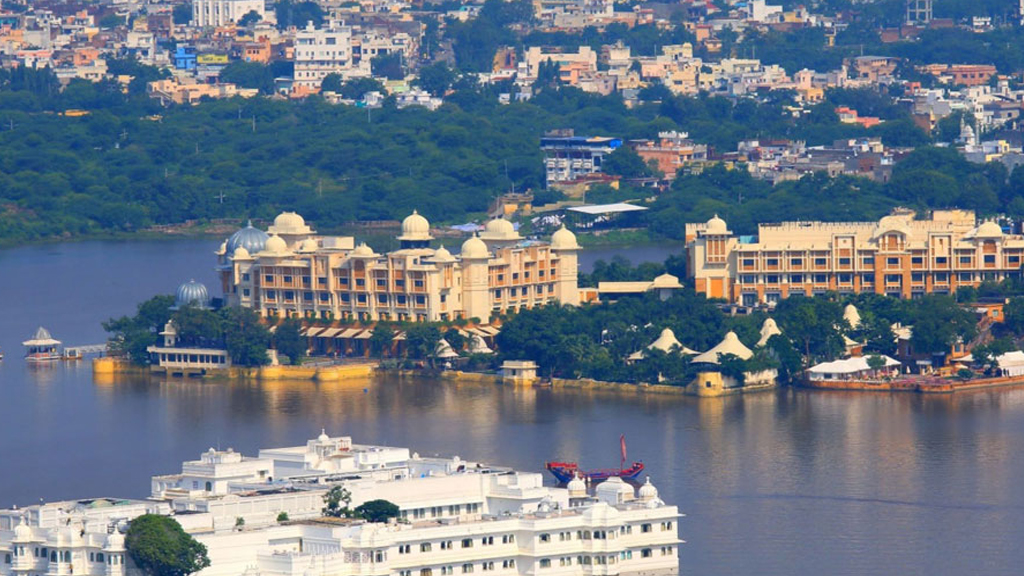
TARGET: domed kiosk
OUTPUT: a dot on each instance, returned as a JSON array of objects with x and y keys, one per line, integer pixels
[
  {"x": 251, "y": 238},
  {"x": 415, "y": 232},
  {"x": 500, "y": 232},
  {"x": 191, "y": 293}
]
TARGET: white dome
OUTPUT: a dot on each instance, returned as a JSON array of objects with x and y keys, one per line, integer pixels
[
  {"x": 852, "y": 316},
  {"x": 308, "y": 245},
  {"x": 473, "y": 249},
  {"x": 191, "y": 293},
  {"x": 276, "y": 245},
  {"x": 564, "y": 239},
  {"x": 442, "y": 255},
  {"x": 648, "y": 491},
  {"x": 768, "y": 329},
  {"x": 289, "y": 223},
  {"x": 577, "y": 487},
  {"x": 241, "y": 254},
  {"x": 500, "y": 229},
  {"x": 717, "y": 226},
  {"x": 323, "y": 437},
  {"x": 989, "y": 230},
  {"x": 415, "y": 228},
  {"x": 363, "y": 251}
]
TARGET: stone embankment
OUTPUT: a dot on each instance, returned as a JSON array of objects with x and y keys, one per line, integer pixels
[
  {"x": 919, "y": 385},
  {"x": 332, "y": 373}
]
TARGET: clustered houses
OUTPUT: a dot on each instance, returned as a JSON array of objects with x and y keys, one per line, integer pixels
[
  {"x": 898, "y": 255},
  {"x": 455, "y": 515},
  {"x": 291, "y": 271}
]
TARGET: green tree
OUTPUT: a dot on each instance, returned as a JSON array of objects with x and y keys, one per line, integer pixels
[
  {"x": 421, "y": 340},
  {"x": 381, "y": 339},
  {"x": 288, "y": 340},
  {"x": 130, "y": 336},
  {"x": 336, "y": 501},
  {"x": 331, "y": 83},
  {"x": 249, "y": 18},
  {"x": 436, "y": 78},
  {"x": 388, "y": 65},
  {"x": 282, "y": 516},
  {"x": 377, "y": 510},
  {"x": 1013, "y": 314},
  {"x": 298, "y": 14},
  {"x": 245, "y": 337},
  {"x": 160, "y": 547},
  {"x": 876, "y": 363},
  {"x": 625, "y": 162},
  {"x": 198, "y": 326},
  {"x": 938, "y": 323},
  {"x": 455, "y": 339}
]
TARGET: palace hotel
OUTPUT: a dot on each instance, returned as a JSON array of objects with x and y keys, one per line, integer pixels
[
  {"x": 899, "y": 255},
  {"x": 290, "y": 271}
]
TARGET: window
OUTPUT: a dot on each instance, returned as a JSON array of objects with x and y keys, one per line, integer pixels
[
  {"x": 508, "y": 539},
  {"x": 820, "y": 278},
  {"x": 487, "y": 566},
  {"x": 425, "y": 547},
  {"x": 772, "y": 261},
  {"x": 467, "y": 568},
  {"x": 990, "y": 258},
  {"x": 467, "y": 543},
  {"x": 269, "y": 278},
  {"x": 796, "y": 261},
  {"x": 747, "y": 279},
  {"x": 891, "y": 261},
  {"x": 425, "y": 572},
  {"x": 487, "y": 541},
  {"x": 965, "y": 260},
  {"x": 545, "y": 563},
  {"x": 820, "y": 261},
  {"x": 941, "y": 260},
  {"x": 966, "y": 277},
  {"x": 645, "y": 528},
  {"x": 289, "y": 295},
  {"x": 916, "y": 260},
  {"x": 748, "y": 262},
  {"x": 545, "y": 537},
  {"x": 844, "y": 261},
  {"x": 446, "y": 545},
  {"x": 666, "y": 526},
  {"x": 645, "y": 553},
  {"x": 869, "y": 260},
  {"x": 796, "y": 278},
  {"x": 942, "y": 277},
  {"x": 772, "y": 279},
  {"x": 510, "y": 563},
  {"x": 446, "y": 570},
  {"x": 846, "y": 278},
  {"x": 404, "y": 548}
]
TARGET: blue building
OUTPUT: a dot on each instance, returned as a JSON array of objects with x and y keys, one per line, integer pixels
[
  {"x": 568, "y": 158},
  {"x": 185, "y": 58}
]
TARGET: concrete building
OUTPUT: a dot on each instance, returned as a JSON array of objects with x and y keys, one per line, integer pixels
[
  {"x": 898, "y": 255},
  {"x": 216, "y": 13},
  {"x": 323, "y": 51},
  {"x": 294, "y": 272},
  {"x": 568, "y": 158}
]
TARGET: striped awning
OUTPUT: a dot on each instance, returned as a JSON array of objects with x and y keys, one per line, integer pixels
[
  {"x": 330, "y": 333},
  {"x": 364, "y": 335},
  {"x": 349, "y": 332}
]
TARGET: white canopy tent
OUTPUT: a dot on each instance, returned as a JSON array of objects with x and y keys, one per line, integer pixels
[{"x": 847, "y": 368}]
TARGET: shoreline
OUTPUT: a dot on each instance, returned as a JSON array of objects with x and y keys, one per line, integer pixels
[{"x": 951, "y": 387}]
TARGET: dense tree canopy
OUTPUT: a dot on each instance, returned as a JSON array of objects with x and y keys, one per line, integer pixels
[{"x": 158, "y": 545}]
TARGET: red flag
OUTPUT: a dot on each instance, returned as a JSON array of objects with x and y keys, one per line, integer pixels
[{"x": 622, "y": 447}]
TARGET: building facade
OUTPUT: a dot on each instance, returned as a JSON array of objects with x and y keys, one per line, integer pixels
[
  {"x": 217, "y": 13},
  {"x": 323, "y": 51},
  {"x": 569, "y": 158},
  {"x": 455, "y": 516},
  {"x": 898, "y": 255},
  {"x": 293, "y": 272}
]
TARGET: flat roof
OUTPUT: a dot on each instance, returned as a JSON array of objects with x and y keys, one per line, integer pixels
[{"x": 618, "y": 207}]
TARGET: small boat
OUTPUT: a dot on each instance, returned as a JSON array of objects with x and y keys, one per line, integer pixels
[
  {"x": 566, "y": 471},
  {"x": 42, "y": 347}
]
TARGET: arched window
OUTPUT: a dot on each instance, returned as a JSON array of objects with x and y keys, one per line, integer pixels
[
  {"x": 209, "y": 486},
  {"x": 99, "y": 557},
  {"x": 53, "y": 556}
]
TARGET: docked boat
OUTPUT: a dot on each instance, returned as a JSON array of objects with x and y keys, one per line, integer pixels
[
  {"x": 42, "y": 347},
  {"x": 566, "y": 471}
]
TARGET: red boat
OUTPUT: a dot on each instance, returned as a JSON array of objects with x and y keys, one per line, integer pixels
[{"x": 566, "y": 471}]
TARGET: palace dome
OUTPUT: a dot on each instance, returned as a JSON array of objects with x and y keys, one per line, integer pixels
[
  {"x": 22, "y": 533},
  {"x": 564, "y": 239},
  {"x": 442, "y": 255},
  {"x": 290, "y": 223},
  {"x": 276, "y": 245},
  {"x": 648, "y": 491},
  {"x": 363, "y": 251},
  {"x": 415, "y": 228},
  {"x": 474, "y": 248},
  {"x": 250, "y": 238},
  {"x": 500, "y": 229},
  {"x": 717, "y": 226},
  {"x": 192, "y": 293},
  {"x": 577, "y": 487},
  {"x": 308, "y": 245},
  {"x": 241, "y": 254}
]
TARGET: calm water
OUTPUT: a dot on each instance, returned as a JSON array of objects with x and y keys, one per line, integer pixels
[{"x": 782, "y": 483}]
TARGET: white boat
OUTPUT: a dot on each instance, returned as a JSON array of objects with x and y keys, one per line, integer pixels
[{"x": 42, "y": 347}]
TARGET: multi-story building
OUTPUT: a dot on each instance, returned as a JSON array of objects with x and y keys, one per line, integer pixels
[
  {"x": 328, "y": 50},
  {"x": 568, "y": 158},
  {"x": 294, "y": 272},
  {"x": 898, "y": 255},
  {"x": 453, "y": 515},
  {"x": 224, "y": 12}
]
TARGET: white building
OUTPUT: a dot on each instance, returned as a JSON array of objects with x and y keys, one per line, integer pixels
[
  {"x": 224, "y": 12},
  {"x": 454, "y": 515},
  {"x": 319, "y": 52}
]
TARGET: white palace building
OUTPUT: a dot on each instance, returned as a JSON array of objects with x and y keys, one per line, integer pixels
[
  {"x": 456, "y": 517},
  {"x": 290, "y": 270}
]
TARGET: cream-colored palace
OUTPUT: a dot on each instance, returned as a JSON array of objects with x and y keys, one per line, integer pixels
[
  {"x": 899, "y": 255},
  {"x": 290, "y": 270}
]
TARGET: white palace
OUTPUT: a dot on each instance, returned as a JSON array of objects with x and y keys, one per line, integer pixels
[
  {"x": 456, "y": 517},
  {"x": 290, "y": 270}
]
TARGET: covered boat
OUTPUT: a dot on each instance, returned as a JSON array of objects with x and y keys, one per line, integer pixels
[{"x": 42, "y": 347}]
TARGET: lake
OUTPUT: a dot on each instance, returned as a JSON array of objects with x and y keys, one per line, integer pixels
[{"x": 788, "y": 482}]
